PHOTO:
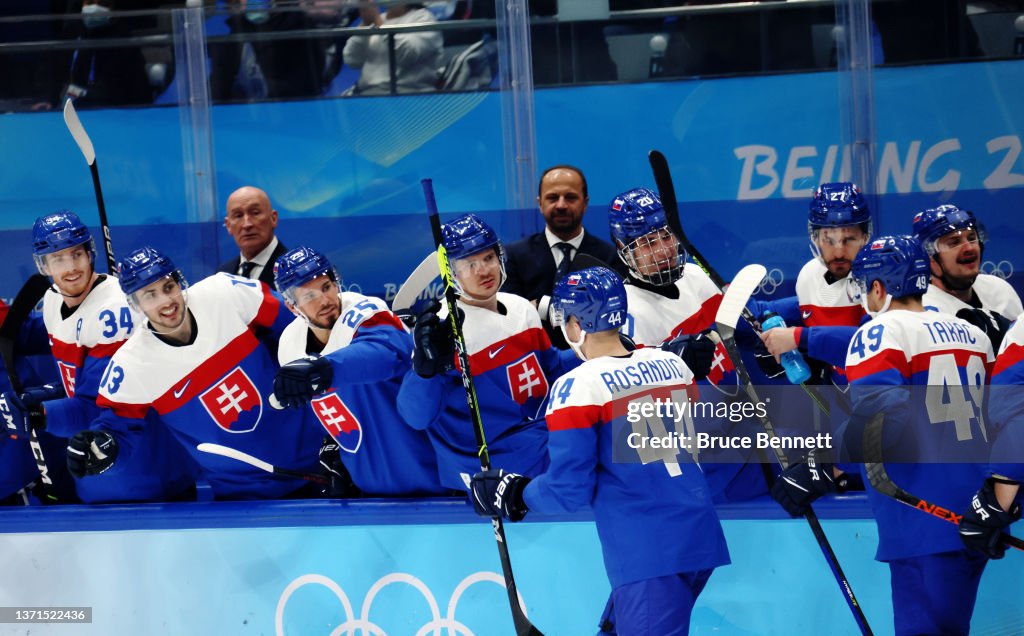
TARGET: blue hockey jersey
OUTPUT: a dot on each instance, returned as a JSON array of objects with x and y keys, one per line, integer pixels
[{"x": 1006, "y": 406}]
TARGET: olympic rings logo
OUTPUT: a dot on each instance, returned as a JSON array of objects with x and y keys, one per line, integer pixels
[
  {"x": 771, "y": 281},
  {"x": 351, "y": 624},
  {"x": 1003, "y": 269},
  {"x": 351, "y": 287}
]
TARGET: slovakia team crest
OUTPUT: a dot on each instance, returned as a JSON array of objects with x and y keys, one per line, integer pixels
[
  {"x": 234, "y": 403},
  {"x": 339, "y": 421},
  {"x": 67, "y": 377},
  {"x": 723, "y": 374},
  {"x": 526, "y": 380}
]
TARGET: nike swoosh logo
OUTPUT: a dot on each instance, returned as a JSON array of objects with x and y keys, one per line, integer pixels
[
  {"x": 178, "y": 393},
  {"x": 491, "y": 354},
  {"x": 806, "y": 315}
]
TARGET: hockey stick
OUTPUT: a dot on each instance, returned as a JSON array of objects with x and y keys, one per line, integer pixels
[
  {"x": 85, "y": 145},
  {"x": 667, "y": 193},
  {"x": 879, "y": 479},
  {"x": 522, "y": 624},
  {"x": 417, "y": 282},
  {"x": 28, "y": 297},
  {"x": 728, "y": 316},
  {"x": 224, "y": 451}
]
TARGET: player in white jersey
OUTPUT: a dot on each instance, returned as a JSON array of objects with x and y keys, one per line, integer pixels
[
  {"x": 356, "y": 352},
  {"x": 955, "y": 240},
  {"x": 660, "y": 535},
  {"x": 198, "y": 367},
  {"x": 88, "y": 319},
  {"x": 923, "y": 444}
]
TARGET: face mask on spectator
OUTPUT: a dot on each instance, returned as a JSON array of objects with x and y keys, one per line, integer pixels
[{"x": 95, "y": 15}]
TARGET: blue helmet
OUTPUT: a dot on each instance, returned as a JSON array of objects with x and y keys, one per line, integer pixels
[
  {"x": 143, "y": 267},
  {"x": 468, "y": 235},
  {"x": 837, "y": 205},
  {"x": 931, "y": 225},
  {"x": 633, "y": 217},
  {"x": 298, "y": 267},
  {"x": 595, "y": 296},
  {"x": 56, "y": 232},
  {"x": 898, "y": 261}
]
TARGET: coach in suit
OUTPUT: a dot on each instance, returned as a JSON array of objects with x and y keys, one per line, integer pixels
[
  {"x": 251, "y": 221},
  {"x": 536, "y": 262}
]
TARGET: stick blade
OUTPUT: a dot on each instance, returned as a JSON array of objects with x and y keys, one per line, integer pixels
[
  {"x": 77, "y": 131},
  {"x": 739, "y": 292},
  {"x": 419, "y": 280},
  {"x": 224, "y": 451}
]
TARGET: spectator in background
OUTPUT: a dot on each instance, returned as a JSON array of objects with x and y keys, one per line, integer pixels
[
  {"x": 251, "y": 220},
  {"x": 107, "y": 76},
  {"x": 417, "y": 55},
  {"x": 261, "y": 69}
]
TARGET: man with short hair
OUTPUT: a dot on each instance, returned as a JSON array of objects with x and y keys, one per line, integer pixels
[
  {"x": 251, "y": 221},
  {"x": 535, "y": 262}
]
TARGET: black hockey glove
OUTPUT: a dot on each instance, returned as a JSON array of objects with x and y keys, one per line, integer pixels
[
  {"x": 299, "y": 381},
  {"x": 496, "y": 493},
  {"x": 341, "y": 485},
  {"x": 985, "y": 521},
  {"x": 698, "y": 352},
  {"x": 994, "y": 324},
  {"x": 91, "y": 453},
  {"x": 434, "y": 351},
  {"x": 766, "y": 361},
  {"x": 802, "y": 483}
]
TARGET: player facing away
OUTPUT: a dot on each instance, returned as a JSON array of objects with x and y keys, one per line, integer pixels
[
  {"x": 660, "y": 535},
  {"x": 955, "y": 240},
  {"x": 996, "y": 505},
  {"x": 87, "y": 320},
  {"x": 826, "y": 311},
  {"x": 934, "y": 578},
  {"x": 198, "y": 367},
  {"x": 345, "y": 355},
  {"x": 510, "y": 357}
]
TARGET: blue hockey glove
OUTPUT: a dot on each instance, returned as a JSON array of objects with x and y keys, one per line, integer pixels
[
  {"x": 434, "y": 350},
  {"x": 20, "y": 414},
  {"x": 994, "y": 324},
  {"x": 698, "y": 352},
  {"x": 802, "y": 483},
  {"x": 39, "y": 394},
  {"x": 985, "y": 521},
  {"x": 496, "y": 493},
  {"x": 299, "y": 381},
  {"x": 91, "y": 453}
]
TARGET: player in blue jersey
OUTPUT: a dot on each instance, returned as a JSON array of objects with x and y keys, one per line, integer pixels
[
  {"x": 87, "y": 320},
  {"x": 955, "y": 240},
  {"x": 996, "y": 505},
  {"x": 934, "y": 579},
  {"x": 510, "y": 357},
  {"x": 660, "y": 535},
  {"x": 345, "y": 355},
  {"x": 197, "y": 367}
]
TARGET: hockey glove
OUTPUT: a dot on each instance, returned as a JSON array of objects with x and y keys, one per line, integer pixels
[
  {"x": 802, "y": 483},
  {"x": 994, "y": 324},
  {"x": 91, "y": 453},
  {"x": 766, "y": 361},
  {"x": 496, "y": 493},
  {"x": 985, "y": 521},
  {"x": 19, "y": 416},
  {"x": 299, "y": 381},
  {"x": 434, "y": 351},
  {"x": 698, "y": 352},
  {"x": 341, "y": 485},
  {"x": 39, "y": 394}
]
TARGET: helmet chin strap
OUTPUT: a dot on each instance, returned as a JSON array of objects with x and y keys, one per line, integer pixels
[
  {"x": 576, "y": 345},
  {"x": 885, "y": 305}
]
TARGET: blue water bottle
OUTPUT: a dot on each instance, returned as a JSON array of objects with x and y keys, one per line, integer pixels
[{"x": 797, "y": 371}]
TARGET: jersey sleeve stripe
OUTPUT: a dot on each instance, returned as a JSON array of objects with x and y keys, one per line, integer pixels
[
  {"x": 106, "y": 350},
  {"x": 1010, "y": 357},
  {"x": 888, "y": 360},
  {"x": 269, "y": 306},
  {"x": 382, "y": 319},
  {"x": 122, "y": 409},
  {"x": 574, "y": 417}
]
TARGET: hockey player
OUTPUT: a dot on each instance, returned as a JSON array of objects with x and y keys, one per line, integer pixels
[
  {"x": 826, "y": 311},
  {"x": 88, "y": 320},
  {"x": 997, "y": 504},
  {"x": 511, "y": 359},
  {"x": 637, "y": 495},
  {"x": 197, "y": 367},
  {"x": 955, "y": 240},
  {"x": 934, "y": 579},
  {"x": 357, "y": 352}
]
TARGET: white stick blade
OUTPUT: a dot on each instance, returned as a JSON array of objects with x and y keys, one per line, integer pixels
[
  {"x": 418, "y": 280},
  {"x": 77, "y": 131},
  {"x": 739, "y": 292},
  {"x": 224, "y": 451}
]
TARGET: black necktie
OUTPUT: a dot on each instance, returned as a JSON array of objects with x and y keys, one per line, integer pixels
[
  {"x": 563, "y": 267},
  {"x": 247, "y": 268}
]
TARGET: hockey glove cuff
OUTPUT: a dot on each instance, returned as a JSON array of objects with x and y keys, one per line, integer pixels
[
  {"x": 299, "y": 381},
  {"x": 801, "y": 484},
  {"x": 984, "y": 522},
  {"x": 91, "y": 453},
  {"x": 495, "y": 493},
  {"x": 698, "y": 352}
]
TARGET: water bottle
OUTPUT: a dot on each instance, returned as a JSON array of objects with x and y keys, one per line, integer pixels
[{"x": 797, "y": 371}]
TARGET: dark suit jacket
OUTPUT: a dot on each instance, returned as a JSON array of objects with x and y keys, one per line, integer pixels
[
  {"x": 267, "y": 275},
  {"x": 530, "y": 266}
]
